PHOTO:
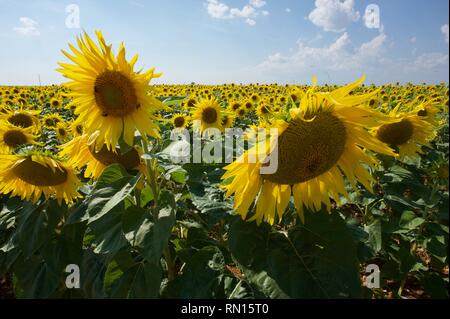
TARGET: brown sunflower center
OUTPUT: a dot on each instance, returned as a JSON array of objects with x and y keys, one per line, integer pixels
[
  {"x": 397, "y": 133},
  {"x": 62, "y": 132},
  {"x": 179, "y": 121},
  {"x": 308, "y": 149},
  {"x": 40, "y": 175},
  {"x": 115, "y": 94},
  {"x": 422, "y": 112},
  {"x": 14, "y": 138},
  {"x": 263, "y": 110},
  {"x": 129, "y": 160},
  {"x": 209, "y": 115},
  {"x": 21, "y": 119},
  {"x": 51, "y": 122}
]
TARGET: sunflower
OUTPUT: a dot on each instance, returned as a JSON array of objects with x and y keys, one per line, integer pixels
[
  {"x": 23, "y": 119},
  {"x": 111, "y": 97},
  {"x": 263, "y": 110},
  {"x": 227, "y": 120},
  {"x": 62, "y": 131},
  {"x": 81, "y": 152},
  {"x": 209, "y": 113},
  {"x": 31, "y": 175},
  {"x": 52, "y": 120},
  {"x": 77, "y": 129},
  {"x": 55, "y": 103},
  {"x": 322, "y": 140},
  {"x": 12, "y": 137},
  {"x": 409, "y": 132},
  {"x": 180, "y": 120}
]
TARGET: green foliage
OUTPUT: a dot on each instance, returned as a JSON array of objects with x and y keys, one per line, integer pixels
[{"x": 181, "y": 239}]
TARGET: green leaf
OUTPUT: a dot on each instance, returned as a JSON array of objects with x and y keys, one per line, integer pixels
[
  {"x": 150, "y": 236},
  {"x": 105, "y": 199},
  {"x": 108, "y": 235},
  {"x": 410, "y": 221},
  {"x": 245, "y": 237},
  {"x": 203, "y": 275},
  {"x": 142, "y": 281},
  {"x": 316, "y": 260},
  {"x": 92, "y": 275},
  {"x": 435, "y": 285},
  {"x": 375, "y": 238}
]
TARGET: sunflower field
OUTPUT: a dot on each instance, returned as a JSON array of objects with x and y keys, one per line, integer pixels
[{"x": 357, "y": 206}]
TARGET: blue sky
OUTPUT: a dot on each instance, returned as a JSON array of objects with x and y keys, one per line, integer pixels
[{"x": 218, "y": 41}]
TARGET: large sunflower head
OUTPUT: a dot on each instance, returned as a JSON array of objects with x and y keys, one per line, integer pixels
[
  {"x": 81, "y": 152},
  {"x": 322, "y": 140},
  {"x": 31, "y": 175},
  {"x": 12, "y": 137},
  {"x": 209, "y": 114},
  {"x": 111, "y": 97}
]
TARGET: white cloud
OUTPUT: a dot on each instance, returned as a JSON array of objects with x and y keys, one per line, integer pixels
[
  {"x": 334, "y": 15},
  {"x": 245, "y": 12},
  {"x": 288, "y": 10},
  {"x": 217, "y": 9},
  {"x": 250, "y": 22},
  {"x": 28, "y": 27},
  {"x": 444, "y": 30},
  {"x": 257, "y": 3},
  {"x": 340, "y": 55},
  {"x": 413, "y": 40},
  {"x": 248, "y": 13},
  {"x": 343, "y": 61}
]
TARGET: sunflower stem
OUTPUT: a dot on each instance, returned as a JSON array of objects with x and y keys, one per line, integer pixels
[
  {"x": 171, "y": 272},
  {"x": 151, "y": 167}
]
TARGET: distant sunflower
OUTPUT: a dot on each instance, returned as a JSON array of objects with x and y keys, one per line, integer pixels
[
  {"x": 12, "y": 137},
  {"x": 111, "y": 97},
  {"x": 180, "y": 120},
  {"x": 52, "y": 120},
  {"x": 209, "y": 113},
  {"x": 81, "y": 152},
  {"x": 31, "y": 175},
  {"x": 409, "y": 133},
  {"x": 77, "y": 129},
  {"x": 62, "y": 131},
  {"x": 55, "y": 103},
  {"x": 324, "y": 139},
  {"x": 227, "y": 120},
  {"x": 263, "y": 110}
]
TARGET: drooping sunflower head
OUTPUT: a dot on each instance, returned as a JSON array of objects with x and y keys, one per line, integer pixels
[
  {"x": 411, "y": 130},
  {"x": 111, "y": 97},
  {"x": 24, "y": 119},
  {"x": 31, "y": 175},
  {"x": 209, "y": 114},
  {"x": 81, "y": 152},
  {"x": 12, "y": 137},
  {"x": 324, "y": 140}
]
